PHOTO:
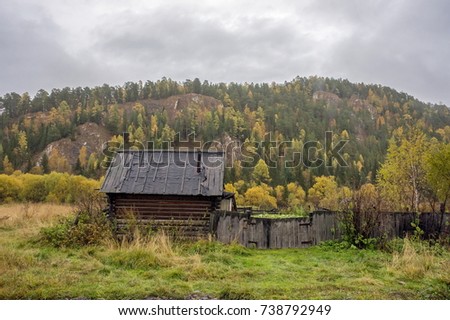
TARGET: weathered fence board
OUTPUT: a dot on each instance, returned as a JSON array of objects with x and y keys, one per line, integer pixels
[
  {"x": 326, "y": 225},
  {"x": 320, "y": 226}
]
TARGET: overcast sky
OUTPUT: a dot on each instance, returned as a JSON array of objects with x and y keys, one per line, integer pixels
[{"x": 53, "y": 43}]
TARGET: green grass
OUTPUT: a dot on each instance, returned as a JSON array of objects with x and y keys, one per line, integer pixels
[
  {"x": 276, "y": 215},
  {"x": 31, "y": 270},
  {"x": 296, "y": 212}
]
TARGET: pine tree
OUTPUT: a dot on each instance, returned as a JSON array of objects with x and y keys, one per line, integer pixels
[
  {"x": 77, "y": 169},
  {"x": 44, "y": 164},
  {"x": 29, "y": 166}
]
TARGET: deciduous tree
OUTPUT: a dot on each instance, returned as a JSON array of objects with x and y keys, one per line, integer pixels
[
  {"x": 296, "y": 195},
  {"x": 402, "y": 176},
  {"x": 260, "y": 197},
  {"x": 7, "y": 166},
  {"x": 261, "y": 172},
  {"x": 438, "y": 172},
  {"x": 324, "y": 193}
]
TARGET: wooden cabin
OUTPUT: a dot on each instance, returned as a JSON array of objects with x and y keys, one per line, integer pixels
[{"x": 175, "y": 190}]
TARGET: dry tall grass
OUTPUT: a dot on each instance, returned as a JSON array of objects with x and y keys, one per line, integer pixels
[
  {"x": 21, "y": 221},
  {"x": 160, "y": 243},
  {"x": 159, "y": 246},
  {"x": 415, "y": 259},
  {"x": 31, "y": 214}
]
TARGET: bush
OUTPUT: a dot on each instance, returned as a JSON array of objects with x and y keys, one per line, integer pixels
[
  {"x": 57, "y": 235},
  {"x": 58, "y": 185},
  {"x": 362, "y": 229},
  {"x": 54, "y": 187},
  {"x": 82, "y": 230},
  {"x": 10, "y": 188},
  {"x": 34, "y": 188}
]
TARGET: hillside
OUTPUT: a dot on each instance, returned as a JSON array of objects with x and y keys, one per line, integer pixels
[
  {"x": 295, "y": 112},
  {"x": 89, "y": 135}
]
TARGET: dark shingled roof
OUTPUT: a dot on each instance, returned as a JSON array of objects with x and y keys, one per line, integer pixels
[{"x": 165, "y": 172}]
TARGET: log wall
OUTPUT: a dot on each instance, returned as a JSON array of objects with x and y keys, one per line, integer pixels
[{"x": 183, "y": 216}]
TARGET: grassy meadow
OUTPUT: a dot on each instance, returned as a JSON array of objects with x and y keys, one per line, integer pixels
[{"x": 158, "y": 268}]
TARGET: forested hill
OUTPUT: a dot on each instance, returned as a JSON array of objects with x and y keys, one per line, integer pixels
[{"x": 55, "y": 130}]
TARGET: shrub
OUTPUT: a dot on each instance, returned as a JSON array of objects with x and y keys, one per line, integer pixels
[
  {"x": 85, "y": 195},
  {"x": 54, "y": 187},
  {"x": 10, "y": 188},
  {"x": 363, "y": 229},
  {"x": 57, "y": 235},
  {"x": 58, "y": 185},
  {"x": 34, "y": 188},
  {"x": 82, "y": 230}
]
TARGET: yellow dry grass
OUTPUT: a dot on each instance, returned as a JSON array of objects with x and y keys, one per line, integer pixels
[
  {"x": 414, "y": 261},
  {"x": 159, "y": 245},
  {"x": 32, "y": 214}
]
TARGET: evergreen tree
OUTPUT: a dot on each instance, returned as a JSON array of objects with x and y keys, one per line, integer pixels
[
  {"x": 77, "y": 169},
  {"x": 44, "y": 163}
]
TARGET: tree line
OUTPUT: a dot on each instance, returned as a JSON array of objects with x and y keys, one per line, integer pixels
[
  {"x": 415, "y": 177},
  {"x": 296, "y": 111}
]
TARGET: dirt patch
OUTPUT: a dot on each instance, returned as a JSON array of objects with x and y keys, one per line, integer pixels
[{"x": 90, "y": 135}]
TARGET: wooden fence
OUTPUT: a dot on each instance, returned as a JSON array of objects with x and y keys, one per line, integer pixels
[{"x": 320, "y": 226}]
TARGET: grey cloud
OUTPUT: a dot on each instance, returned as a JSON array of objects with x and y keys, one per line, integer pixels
[
  {"x": 407, "y": 48},
  {"x": 403, "y": 44},
  {"x": 32, "y": 56},
  {"x": 182, "y": 43}
]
